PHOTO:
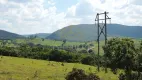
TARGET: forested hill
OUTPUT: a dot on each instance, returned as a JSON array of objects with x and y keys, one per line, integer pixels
[
  {"x": 9, "y": 35},
  {"x": 88, "y": 32}
]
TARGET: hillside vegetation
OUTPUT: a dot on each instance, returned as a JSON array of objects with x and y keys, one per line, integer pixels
[
  {"x": 88, "y": 32},
  {"x": 81, "y": 33},
  {"x": 9, "y": 35}
]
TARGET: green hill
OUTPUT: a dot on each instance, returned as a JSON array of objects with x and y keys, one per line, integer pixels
[
  {"x": 9, "y": 35},
  {"x": 88, "y": 32}
]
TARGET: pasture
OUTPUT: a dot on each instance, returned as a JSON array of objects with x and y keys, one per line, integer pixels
[{"x": 13, "y": 68}]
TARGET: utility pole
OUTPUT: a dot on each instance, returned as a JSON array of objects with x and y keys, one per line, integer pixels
[{"x": 101, "y": 30}]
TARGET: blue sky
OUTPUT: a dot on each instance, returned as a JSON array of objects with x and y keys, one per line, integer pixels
[
  {"x": 47, "y": 16},
  {"x": 63, "y": 5}
]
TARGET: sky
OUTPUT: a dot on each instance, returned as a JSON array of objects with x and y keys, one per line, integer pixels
[{"x": 47, "y": 16}]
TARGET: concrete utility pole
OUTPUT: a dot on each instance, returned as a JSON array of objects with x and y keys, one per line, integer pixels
[{"x": 101, "y": 30}]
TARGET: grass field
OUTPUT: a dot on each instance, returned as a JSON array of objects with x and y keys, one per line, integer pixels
[
  {"x": 12, "y": 68},
  {"x": 47, "y": 42}
]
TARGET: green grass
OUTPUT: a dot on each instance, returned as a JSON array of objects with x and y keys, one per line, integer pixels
[
  {"x": 47, "y": 42},
  {"x": 12, "y": 68}
]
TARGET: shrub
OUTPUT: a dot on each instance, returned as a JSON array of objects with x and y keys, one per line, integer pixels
[
  {"x": 92, "y": 76},
  {"x": 83, "y": 51},
  {"x": 79, "y": 74},
  {"x": 61, "y": 55},
  {"x": 134, "y": 76},
  {"x": 76, "y": 74},
  {"x": 122, "y": 77},
  {"x": 88, "y": 60}
]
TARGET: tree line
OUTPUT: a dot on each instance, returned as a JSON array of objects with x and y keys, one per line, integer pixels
[{"x": 44, "y": 53}]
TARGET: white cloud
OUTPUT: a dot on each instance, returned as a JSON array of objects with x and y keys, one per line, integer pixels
[
  {"x": 30, "y": 16},
  {"x": 3, "y": 1},
  {"x": 125, "y": 12},
  {"x": 5, "y": 23},
  {"x": 84, "y": 9},
  {"x": 71, "y": 12},
  {"x": 137, "y": 2},
  {"x": 51, "y": 2}
]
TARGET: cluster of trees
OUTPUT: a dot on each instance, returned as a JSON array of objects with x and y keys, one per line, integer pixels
[
  {"x": 124, "y": 54},
  {"x": 44, "y": 53},
  {"x": 117, "y": 53},
  {"x": 120, "y": 53},
  {"x": 82, "y": 48}
]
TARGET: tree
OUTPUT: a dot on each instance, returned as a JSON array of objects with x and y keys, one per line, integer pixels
[
  {"x": 64, "y": 42},
  {"x": 88, "y": 60},
  {"x": 42, "y": 39},
  {"x": 80, "y": 46},
  {"x": 141, "y": 46},
  {"x": 139, "y": 59},
  {"x": 121, "y": 53},
  {"x": 91, "y": 44}
]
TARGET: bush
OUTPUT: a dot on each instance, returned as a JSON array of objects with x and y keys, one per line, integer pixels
[
  {"x": 89, "y": 60},
  {"x": 61, "y": 55},
  {"x": 79, "y": 74},
  {"x": 122, "y": 77},
  {"x": 76, "y": 74},
  {"x": 83, "y": 51},
  {"x": 134, "y": 76},
  {"x": 92, "y": 76}
]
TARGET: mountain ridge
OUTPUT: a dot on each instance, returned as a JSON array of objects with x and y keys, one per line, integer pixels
[
  {"x": 88, "y": 32},
  {"x": 9, "y": 35}
]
